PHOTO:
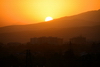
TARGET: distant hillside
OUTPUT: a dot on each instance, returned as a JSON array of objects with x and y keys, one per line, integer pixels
[
  {"x": 93, "y": 16},
  {"x": 90, "y": 18},
  {"x": 91, "y": 33},
  {"x": 87, "y": 24}
]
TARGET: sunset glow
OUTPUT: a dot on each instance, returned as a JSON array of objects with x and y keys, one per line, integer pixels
[{"x": 34, "y": 11}]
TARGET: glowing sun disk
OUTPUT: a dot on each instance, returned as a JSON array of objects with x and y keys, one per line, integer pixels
[{"x": 48, "y": 18}]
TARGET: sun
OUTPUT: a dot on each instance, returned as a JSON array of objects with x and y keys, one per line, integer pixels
[{"x": 48, "y": 18}]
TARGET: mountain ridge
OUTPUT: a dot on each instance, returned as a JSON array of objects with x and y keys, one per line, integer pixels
[{"x": 66, "y": 28}]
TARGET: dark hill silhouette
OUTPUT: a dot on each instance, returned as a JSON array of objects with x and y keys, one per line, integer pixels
[
  {"x": 87, "y": 24},
  {"x": 90, "y": 18},
  {"x": 92, "y": 33}
]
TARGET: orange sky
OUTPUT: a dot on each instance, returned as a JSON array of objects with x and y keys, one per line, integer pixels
[{"x": 32, "y": 11}]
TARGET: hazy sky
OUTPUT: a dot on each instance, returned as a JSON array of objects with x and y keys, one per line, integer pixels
[{"x": 31, "y": 11}]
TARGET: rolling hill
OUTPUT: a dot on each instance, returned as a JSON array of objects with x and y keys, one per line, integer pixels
[{"x": 86, "y": 24}]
